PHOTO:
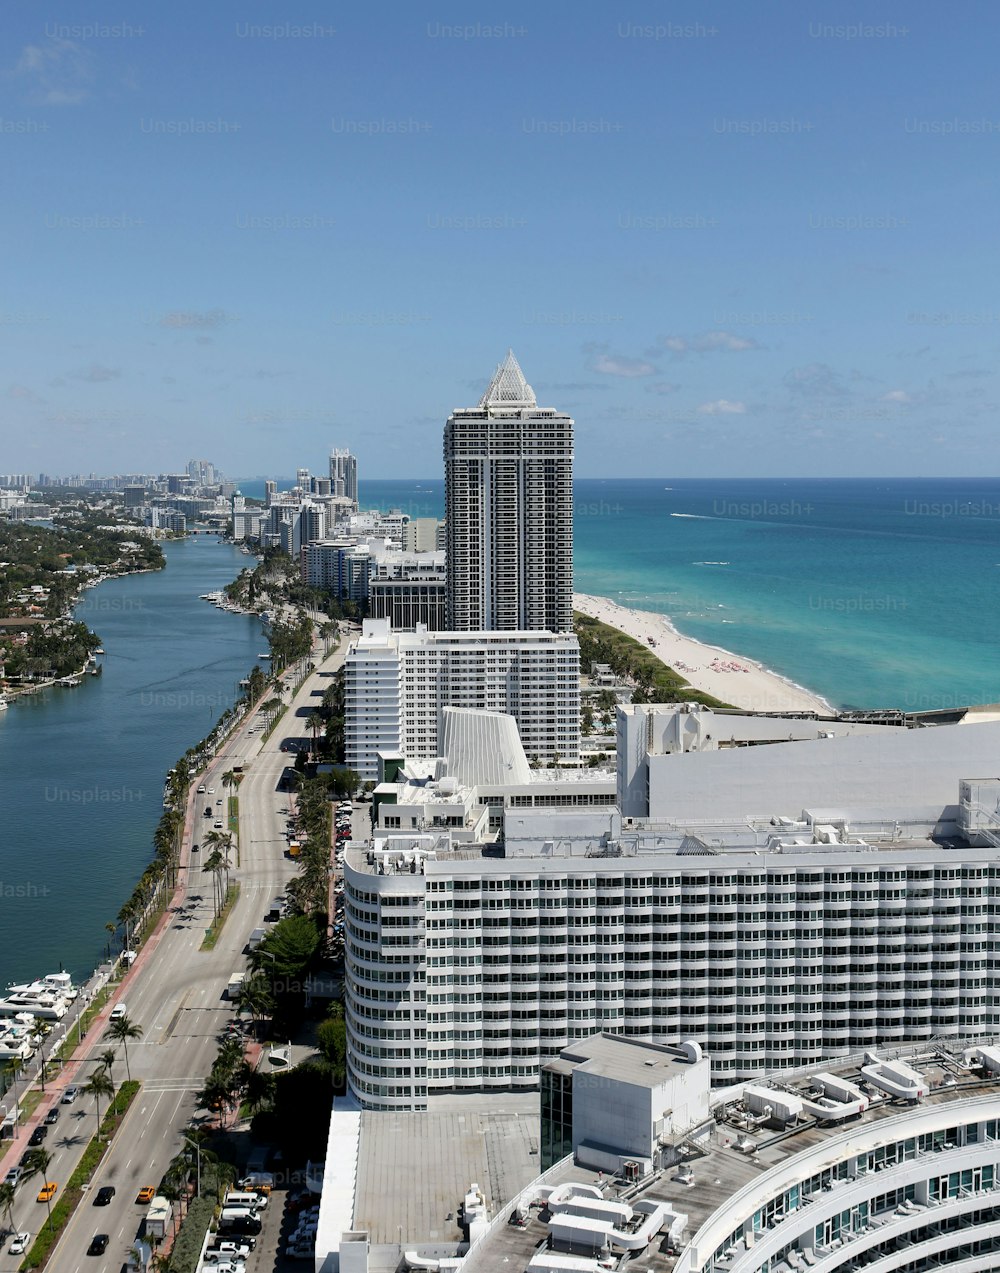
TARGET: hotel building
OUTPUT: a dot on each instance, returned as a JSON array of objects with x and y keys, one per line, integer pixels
[{"x": 509, "y": 511}]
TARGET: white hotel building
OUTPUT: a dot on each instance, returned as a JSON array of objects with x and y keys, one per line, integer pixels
[
  {"x": 778, "y": 940},
  {"x": 397, "y": 684}
]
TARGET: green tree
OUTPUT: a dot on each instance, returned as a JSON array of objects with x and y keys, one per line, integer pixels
[
  {"x": 98, "y": 1085},
  {"x": 7, "y": 1195},
  {"x": 108, "y": 1058},
  {"x": 121, "y": 1031},
  {"x": 37, "y": 1163}
]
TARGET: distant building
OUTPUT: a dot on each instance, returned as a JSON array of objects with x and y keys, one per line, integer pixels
[{"x": 344, "y": 475}]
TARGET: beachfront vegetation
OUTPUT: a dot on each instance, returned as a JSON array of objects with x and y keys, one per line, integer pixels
[{"x": 630, "y": 660}]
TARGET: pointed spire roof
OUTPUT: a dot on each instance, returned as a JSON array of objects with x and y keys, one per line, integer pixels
[{"x": 508, "y": 386}]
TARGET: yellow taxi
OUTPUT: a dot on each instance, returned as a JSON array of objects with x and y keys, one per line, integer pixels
[
  {"x": 47, "y": 1191},
  {"x": 145, "y": 1194}
]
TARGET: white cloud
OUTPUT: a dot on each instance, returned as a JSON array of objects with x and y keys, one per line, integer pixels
[
  {"x": 96, "y": 373},
  {"x": 195, "y": 320},
  {"x": 23, "y": 393},
  {"x": 705, "y": 343},
  {"x": 722, "y": 406},
  {"x": 897, "y": 395},
  {"x": 60, "y": 72},
  {"x": 613, "y": 365}
]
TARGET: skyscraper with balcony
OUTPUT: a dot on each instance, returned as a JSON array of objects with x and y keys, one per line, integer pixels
[{"x": 509, "y": 511}]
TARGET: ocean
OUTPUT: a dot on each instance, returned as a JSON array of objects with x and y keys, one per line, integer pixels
[{"x": 872, "y": 592}]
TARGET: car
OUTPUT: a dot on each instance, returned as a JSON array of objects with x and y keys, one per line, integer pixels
[
  {"x": 13, "y": 1176},
  {"x": 195, "y": 848},
  {"x": 20, "y": 1244},
  {"x": 146, "y": 1194},
  {"x": 38, "y": 1135},
  {"x": 98, "y": 1244},
  {"x": 52, "y": 1116},
  {"x": 119, "y": 1012},
  {"x": 104, "y": 1195},
  {"x": 273, "y": 915},
  {"x": 201, "y": 790},
  {"x": 47, "y": 1191},
  {"x": 217, "y": 825},
  {"x": 70, "y": 1095},
  {"x": 218, "y": 802},
  {"x": 208, "y": 812},
  {"x": 211, "y": 791}
]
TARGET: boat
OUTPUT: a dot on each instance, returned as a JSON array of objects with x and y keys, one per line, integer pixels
[
  {"x": 60, "y": 982},
  {"x": 96, "y": 671},
  {"x": 99, "y": 650},
  {"x": 3, "y": 703},
  {"x": 48, "y": 1005}
]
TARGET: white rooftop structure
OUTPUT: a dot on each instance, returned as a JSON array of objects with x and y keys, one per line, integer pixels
[
  {"x": 483, "y": 747},
  {"x": 508, "y": 386}
]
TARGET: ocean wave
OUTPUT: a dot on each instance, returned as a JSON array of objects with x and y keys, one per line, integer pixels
[
  {"x": 711, "y": 563},
  {"x": 695, "y": 517}
]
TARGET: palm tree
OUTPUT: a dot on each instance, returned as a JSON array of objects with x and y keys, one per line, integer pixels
[
  {"x": 99, "y": 1085},
  {"x": 121, "y": 1031},
  {"x": 7, "y": 1195},
  {"x": 255, "y": 998},
  {"x": 316, "y": 724},
  {"x": 221, "y": 842},
  {"x": 15, "y": 1066},
  {"x": 108, "y": 1058},
  {"x": 37, "y": 1163},
  {"x": 214, "y": 864}
]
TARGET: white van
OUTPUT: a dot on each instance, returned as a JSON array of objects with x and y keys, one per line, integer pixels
[
  {"x": 258, "y": 1201},
  {"x": 118, "y": 1011}
]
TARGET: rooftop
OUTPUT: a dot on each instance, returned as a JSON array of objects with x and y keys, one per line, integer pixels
[
  {"x": 740, "y": 1149},
  {"x": 627, "y": 1060}
]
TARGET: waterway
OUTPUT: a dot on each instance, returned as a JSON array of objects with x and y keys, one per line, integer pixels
[{"x": 82, "y": 769}]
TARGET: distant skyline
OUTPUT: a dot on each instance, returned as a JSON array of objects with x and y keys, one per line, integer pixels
[{"x": 731, "y": 239}]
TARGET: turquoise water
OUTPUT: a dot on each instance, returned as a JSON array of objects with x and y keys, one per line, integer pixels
[
  {"x": 872, "y": 592},
  {"x": 82, "y": 770}
]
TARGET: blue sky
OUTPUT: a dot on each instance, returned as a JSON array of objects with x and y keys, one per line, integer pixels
[{"x": 730, "y": 239}]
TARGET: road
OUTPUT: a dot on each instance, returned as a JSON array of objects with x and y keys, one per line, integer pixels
[{"x": 174, "y": 993}]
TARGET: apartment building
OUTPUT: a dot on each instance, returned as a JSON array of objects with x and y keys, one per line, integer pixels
[{"x": 397, "y": 684}]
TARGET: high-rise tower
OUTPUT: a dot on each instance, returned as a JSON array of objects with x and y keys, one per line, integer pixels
[
  {"x": 509, "y": 511},
  {"x": 344, "y": 475}
]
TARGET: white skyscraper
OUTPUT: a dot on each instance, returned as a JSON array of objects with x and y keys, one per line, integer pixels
[
  {"x": 509, "y": 511},
  {"x": 344, "y": 475}
]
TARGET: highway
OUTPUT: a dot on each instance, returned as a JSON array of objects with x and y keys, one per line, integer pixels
[{"x": 174, "y": 993}]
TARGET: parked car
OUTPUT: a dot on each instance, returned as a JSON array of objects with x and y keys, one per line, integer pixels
[
  {"x": 20, "y": 1244},
  {"x": 104, "y": 1195},
  {"x": 98, "y": 1244}
]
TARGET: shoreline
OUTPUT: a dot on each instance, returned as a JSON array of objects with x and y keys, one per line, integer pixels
[{"x": 734, "y": 678}]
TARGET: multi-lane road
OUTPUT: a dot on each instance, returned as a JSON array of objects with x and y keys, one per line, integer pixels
[{"x": 174, "y": 993}]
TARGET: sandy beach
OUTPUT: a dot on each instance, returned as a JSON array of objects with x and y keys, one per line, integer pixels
[{"x": 730, "y": 677}]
